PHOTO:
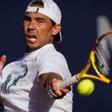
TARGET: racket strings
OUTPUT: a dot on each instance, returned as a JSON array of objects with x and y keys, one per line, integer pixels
[
  {"x": 104, "y": 54},
  {"x": 101, "y": 61}
]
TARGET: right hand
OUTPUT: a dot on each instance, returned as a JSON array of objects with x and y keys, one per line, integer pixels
[
  {"x": 2, "y": 62},
  {"x": 56, "y": 91}
]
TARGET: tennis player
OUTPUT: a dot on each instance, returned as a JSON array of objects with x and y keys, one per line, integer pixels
[{"x": 31, "y": 83}]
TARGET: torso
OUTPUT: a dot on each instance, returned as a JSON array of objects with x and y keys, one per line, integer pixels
[{"x": 20, "y": 89}]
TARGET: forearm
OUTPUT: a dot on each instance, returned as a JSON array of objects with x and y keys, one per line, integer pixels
[
  {"x": 46, "y": 78},
  {"x": 51, "y": 82}
]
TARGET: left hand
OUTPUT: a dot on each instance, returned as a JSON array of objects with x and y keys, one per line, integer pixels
[{"x": 2, "y": 62}]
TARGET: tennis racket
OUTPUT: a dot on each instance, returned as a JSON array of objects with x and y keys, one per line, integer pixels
[{"x": 100, "y": 60}]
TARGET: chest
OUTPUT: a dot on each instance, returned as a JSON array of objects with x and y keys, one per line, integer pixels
[{"x": 20, "y": 74}]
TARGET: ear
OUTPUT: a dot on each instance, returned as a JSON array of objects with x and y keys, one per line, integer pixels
[{"x": 56, "y": 29}]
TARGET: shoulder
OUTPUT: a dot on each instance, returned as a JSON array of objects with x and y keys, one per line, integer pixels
[
  {"x": 51, "y": 53},
  {"x": 52, "y": 60}
]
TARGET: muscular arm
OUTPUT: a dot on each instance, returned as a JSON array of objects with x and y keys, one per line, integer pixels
[{"x": 52, "y": 80}]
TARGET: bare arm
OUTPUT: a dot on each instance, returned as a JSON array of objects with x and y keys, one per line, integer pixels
[{"x": 53, "y": 80}]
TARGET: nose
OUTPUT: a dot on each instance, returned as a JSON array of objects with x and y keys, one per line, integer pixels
[{"x": 31, "y": 25}]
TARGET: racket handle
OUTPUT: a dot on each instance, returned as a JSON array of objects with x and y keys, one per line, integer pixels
[
  {"x": 69, "y": 82},
  {"x": 65, "y": 83}
]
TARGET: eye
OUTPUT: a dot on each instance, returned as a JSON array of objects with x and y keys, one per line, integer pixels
[
  {"x": 40, "y": 20},
  {"x": 27, "y": 18}
]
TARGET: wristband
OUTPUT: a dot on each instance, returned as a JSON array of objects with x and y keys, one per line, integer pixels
[{"x": 50, "y": 93}]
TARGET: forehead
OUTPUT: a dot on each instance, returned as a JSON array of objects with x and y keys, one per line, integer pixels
[{"x": 36, "y": 15}]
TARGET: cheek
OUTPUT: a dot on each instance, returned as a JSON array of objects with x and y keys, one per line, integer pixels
[
  {"x": 25, "y": 27},
  {"x": 46, "y": 32}
]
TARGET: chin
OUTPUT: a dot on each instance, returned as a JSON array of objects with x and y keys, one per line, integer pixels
[{"x": 31, "y": 48}]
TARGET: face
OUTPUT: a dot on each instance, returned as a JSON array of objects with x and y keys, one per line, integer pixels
[{"x": 38, "y": 30}]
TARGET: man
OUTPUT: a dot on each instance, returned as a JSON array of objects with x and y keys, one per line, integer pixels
[{"x": 31, "y": 83}]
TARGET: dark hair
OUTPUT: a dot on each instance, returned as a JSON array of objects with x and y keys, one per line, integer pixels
[
  {"x": 53, "y": 23},
  {"x": 38, "y": 3}
]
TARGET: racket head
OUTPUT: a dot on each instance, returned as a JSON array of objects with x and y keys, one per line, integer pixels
[{"x": 102, "y": 56}]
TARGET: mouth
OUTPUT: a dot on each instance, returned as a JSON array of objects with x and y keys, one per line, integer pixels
[{"x": 31, "y": 38}]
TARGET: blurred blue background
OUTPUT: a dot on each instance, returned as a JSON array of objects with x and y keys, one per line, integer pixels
[{"x": 83, "y": 21}]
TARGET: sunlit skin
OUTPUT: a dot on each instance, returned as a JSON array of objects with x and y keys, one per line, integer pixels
[{"x": 38, "y": 30}]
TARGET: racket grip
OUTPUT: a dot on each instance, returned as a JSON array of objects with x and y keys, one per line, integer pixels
[
  {"x": 69, "y": 82},
  {"x": 65, "y": 83}
]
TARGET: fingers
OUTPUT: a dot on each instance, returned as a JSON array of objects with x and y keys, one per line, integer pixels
[
  {"x": 3, "y": 58},
  {"x": 58, "y": 92},
  {"x": 2, "y": 61}
]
